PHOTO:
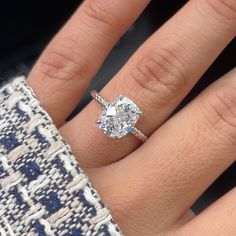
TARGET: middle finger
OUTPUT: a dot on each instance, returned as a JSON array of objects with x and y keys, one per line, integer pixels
[{"x": 156, "y": 78}]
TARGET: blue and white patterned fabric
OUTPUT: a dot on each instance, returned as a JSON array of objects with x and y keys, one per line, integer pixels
[{"x": 43, "y": 191}]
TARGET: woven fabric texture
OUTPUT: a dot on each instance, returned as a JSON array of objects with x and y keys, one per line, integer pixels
[{"x": 43, "y": 191}]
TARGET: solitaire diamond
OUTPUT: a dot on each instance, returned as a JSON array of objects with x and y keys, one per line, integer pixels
[{"x": 119, "y": 117}]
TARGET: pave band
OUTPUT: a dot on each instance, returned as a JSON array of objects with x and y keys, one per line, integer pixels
[
  {"x": 97, "y": 97},
  {"x": 138, "y": 134},
  {"x": 119, "y": 117}
]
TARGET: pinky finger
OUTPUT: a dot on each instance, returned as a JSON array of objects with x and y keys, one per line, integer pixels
[{"x": 218, "y": 219}]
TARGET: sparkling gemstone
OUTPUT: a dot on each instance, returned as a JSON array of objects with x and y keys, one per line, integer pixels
[{"x": 119, "y": 117}]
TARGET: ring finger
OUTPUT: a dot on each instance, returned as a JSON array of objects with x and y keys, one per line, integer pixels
[
  {"x": 160, "y": 181},
  {"x": 157, "y": 77}
]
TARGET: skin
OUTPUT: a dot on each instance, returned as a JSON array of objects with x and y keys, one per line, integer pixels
[{"x": 149, "y": 188}]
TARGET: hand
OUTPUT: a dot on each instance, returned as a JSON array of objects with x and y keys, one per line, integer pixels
[{"x": 149, "y": 188}]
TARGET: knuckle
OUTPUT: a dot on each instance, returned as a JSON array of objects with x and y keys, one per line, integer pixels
[
  {"x": 224, "y": 8},
  {"x": 222, "y": 109},
  {"x": 159, "y": 75},
  {"x": 60, "y": 62},
  {"x": 99, "y": 15}
]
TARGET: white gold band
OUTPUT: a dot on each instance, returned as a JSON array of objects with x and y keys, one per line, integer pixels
[
  {"x": 138, "y": 134},
  {"x": 97, "y": 97}
]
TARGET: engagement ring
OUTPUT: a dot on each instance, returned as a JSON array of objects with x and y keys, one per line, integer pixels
[{"x": 118, "y": 117}]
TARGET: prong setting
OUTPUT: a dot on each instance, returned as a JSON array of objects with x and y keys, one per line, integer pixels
[{"x": 119, "y": 117}]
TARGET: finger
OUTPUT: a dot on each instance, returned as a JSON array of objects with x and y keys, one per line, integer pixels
[
  {"x": 162, "y": 179},
  {"x": 157, "y": 78},
  {"x": 218, "y": 219},
  {"x": 66, "y": 67}
]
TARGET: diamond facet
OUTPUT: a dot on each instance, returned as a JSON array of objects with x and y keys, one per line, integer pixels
[{"x": 119, "y": 117}]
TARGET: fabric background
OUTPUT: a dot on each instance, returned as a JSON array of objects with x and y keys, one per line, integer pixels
[{"x": 43, "y": 191}]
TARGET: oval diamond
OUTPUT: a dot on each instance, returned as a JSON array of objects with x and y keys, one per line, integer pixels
[{"x": 119, "y": 117}]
